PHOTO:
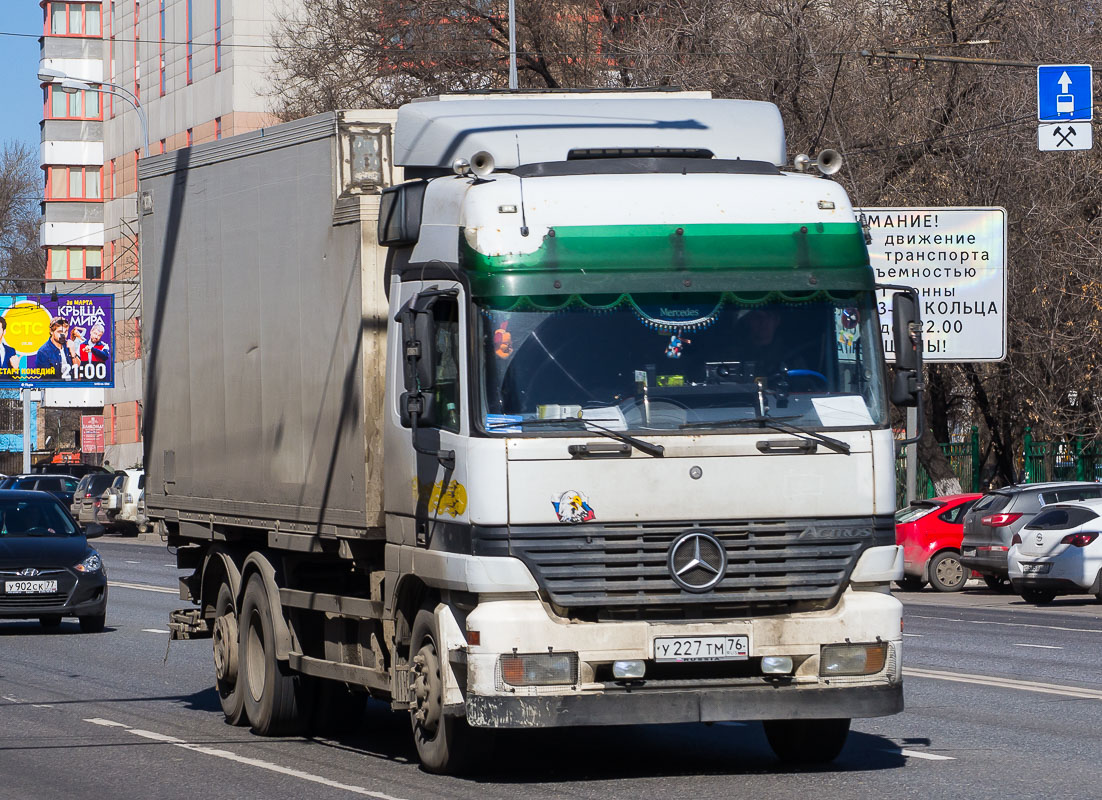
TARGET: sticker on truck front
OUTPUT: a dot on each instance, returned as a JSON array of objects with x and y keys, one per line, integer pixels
[{"x": 572, "y": 506}]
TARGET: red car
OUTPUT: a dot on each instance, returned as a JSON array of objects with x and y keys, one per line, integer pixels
[{"x": 930, "y": 532}]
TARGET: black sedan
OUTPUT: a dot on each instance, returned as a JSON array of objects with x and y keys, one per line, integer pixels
[
  {"x": 60, "y": 486},
  {"x": 47, "y": 569}
]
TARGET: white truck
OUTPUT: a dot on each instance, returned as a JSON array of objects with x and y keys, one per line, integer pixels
[{"x": 525, "y": 411}]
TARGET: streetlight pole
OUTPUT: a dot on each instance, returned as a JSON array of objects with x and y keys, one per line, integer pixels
[{"x": 71, "y": 85}]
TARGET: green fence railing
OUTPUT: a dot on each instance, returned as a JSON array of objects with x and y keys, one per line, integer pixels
[{"x": 1074, "y": 459}]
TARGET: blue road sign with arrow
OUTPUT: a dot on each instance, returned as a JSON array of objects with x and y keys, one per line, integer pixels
[{"x": 1064, "y": 93}]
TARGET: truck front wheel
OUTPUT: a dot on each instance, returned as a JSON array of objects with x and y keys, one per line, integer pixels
[
  {"x": 806, "y": 741},
  {"x": 274, "y": 697},
  {"x": 443, "y": 742},
  {"x": 224, "y": 636}
]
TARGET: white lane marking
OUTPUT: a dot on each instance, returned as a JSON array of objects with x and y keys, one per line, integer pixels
[
  {"x": 925, "y": 756},
  {"x": 252, "y": 762},
  {"x": 41, "y": 705},
  {"x": 132, "y": 562},
  {"x": 155, "y": 630},
  {"x": 144, "y": 587},
  {"x": 11, "y": 699},
  {"x": 1008, "y": 624},
  {"x": 168, "y": 565},
  {"x": 1006, "y": 683},
  {"x": 916, "y": 635},
  {"x": 1040, "y": 646}
]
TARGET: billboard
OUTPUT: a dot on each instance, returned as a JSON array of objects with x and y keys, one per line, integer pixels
[
  {"x": 91, "y": 433},
  {"x": 64, "y": 343}
]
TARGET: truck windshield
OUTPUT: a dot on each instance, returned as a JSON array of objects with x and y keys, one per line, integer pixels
[{"x": 664, "y": 362}]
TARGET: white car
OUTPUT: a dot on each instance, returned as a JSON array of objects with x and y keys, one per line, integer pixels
[
  {"x": 1059, "y": 552},
  {"x": 124, "y": 501}
]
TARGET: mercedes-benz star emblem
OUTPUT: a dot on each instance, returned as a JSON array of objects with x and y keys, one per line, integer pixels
[{"x": 697, "y": 561}]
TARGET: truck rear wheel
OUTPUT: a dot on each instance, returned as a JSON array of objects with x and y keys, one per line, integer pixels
[
  {"x": 806, "y": 741},
  {"x": 443, "y": 742},
  {"x": 225, "y": 636},
  {"x": 273, "y": 695}
]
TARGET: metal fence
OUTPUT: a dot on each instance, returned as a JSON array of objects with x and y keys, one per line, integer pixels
[{"x": 1075, "y": 459}]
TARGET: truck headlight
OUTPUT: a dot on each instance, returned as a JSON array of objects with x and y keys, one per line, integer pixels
[
  {"x": 540, "y": 669},
  {"x": 852, "y": 659}
]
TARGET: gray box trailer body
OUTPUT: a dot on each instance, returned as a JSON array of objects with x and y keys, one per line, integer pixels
[{"x": 262, "y": 396}]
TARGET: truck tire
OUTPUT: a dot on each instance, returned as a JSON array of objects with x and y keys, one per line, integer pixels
[
  {"x": 224, "y": 636},
  {"x": 806, "y": 741},
  {"x": 274, "y": 697},
  {"x": 443, "y": 742},
  {"x": 947, "y": 574}
]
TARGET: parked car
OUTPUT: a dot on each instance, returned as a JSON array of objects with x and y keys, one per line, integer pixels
[
  {"x": 992, "y": 522},
  {"x": 124, "y": 501},
  {"x": 87, "y": 498},
  {"x": 76, "y": 470},
  {"x": 1059, "y": 552},
  {"x": 60, "y": 486},
  {"x": 930, "y": 532},
  {"x": 47, "y": 568}
]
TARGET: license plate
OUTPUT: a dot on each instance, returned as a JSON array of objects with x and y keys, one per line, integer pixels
[
  {"x": 30, "y": 587},
  {"x": 968, "y": 551},
  {"x": 1035, "y": 569},
  {"x": 702, "y": 648}
]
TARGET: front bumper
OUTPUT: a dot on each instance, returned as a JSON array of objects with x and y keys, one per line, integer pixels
[
  {"x": 712, "y": 704},
  {"x": 674, "y": 692},
  {"x": 87, "y": 596}
]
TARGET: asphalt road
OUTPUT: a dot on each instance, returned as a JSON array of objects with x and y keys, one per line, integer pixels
[{"x": 1002, "y": 699}]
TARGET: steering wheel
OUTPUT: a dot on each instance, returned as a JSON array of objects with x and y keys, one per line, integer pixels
[{"x": 811, "y": 376}]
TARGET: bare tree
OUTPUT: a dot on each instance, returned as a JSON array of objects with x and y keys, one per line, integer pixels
[
  {"x": 913, "y": 133},
  {"x": 21, "y": 258}
]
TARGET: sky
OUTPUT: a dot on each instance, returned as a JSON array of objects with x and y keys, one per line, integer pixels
[{"x": 20, "y": 93}]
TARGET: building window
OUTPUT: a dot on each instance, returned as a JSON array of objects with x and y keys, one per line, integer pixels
[
  {"x": 74, "y": 263},
  {"x": 137, "y": 155},
  {"x": 217, "y": 35},
  {"x": 137, "y": 58},
  {"x": 163, "y": 143},
  {"x": 189, "y": 137},
  {"x": 187, "y": 32},
  {"x": 73, "y": 19},
  {"x": 73, "y": 183},
  {"x": 217, "y": 127},
  {"x": 78, "y": 105},
  {"x": 161, "y": 50}
]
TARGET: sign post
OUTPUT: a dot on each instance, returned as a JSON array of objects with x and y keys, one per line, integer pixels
[{"x": 1065, "y": 107}]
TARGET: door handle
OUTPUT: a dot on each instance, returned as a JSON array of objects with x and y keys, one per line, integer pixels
[
  {"x": 600, "y": 450},
  {"x": 791, "y": 446}
]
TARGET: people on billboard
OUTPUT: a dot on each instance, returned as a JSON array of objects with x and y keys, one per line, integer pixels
[
  {"x": 9, "y": 359},
  {"x": 95, "y": 350},
  {"x": 55, "y": 354},
  {"x": 74, "y": 342}
]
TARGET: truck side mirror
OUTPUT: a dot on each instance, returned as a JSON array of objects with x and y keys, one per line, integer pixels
[{"x": 907, "y": 334}]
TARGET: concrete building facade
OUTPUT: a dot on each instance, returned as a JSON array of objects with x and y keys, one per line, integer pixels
[{"x": 199, "y": 69}]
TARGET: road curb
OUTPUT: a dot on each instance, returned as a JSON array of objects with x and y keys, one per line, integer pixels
[{"x": 141, "y": 538}]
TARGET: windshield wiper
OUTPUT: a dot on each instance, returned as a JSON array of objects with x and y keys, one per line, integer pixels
[
  {"x": 649, "y": 448},
  {"x": 778, "y": 424}
]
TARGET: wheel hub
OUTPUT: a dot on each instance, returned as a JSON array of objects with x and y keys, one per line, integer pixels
[
  {"x": 950, "y": 572},
  {"x": 224, "y": 637},
  {"x": 426, "y": 689}
]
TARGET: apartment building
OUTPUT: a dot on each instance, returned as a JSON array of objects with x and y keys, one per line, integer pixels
[{"x": 198, "y": 69}]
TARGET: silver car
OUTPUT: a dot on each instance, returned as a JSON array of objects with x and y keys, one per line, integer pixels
[{"x": 992, "y": 522}]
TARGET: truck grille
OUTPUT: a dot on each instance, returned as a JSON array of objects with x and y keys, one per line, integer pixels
[{"x": 621, "y": 572}]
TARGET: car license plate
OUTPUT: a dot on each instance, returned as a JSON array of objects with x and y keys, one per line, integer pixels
[
  {"x": 1036, "y": 569},
  {"x": 30, "y": 587},
  {"x": 968, "y": 551},
  {"x": 702, "y": 648}
]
